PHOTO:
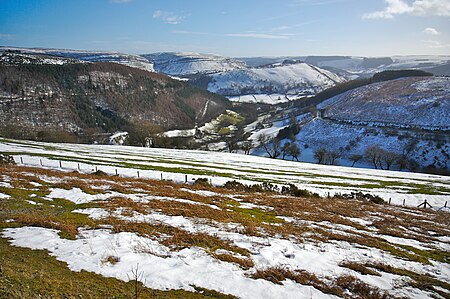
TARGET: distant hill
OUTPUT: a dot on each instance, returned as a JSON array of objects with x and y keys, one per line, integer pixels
[
  {"x": 97, "y": 97},
  {"x": 185, "y": 64},
  {"x": 88, "y": 56}
]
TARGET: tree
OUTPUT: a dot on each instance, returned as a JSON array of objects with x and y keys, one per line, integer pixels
[
  {"x": 373, "y": 154},
  {"x": 320, "y": 155},
  {"x": 332, "y": 157},
  {"x": 389, "y": 158},
  {"x": 247, "y": 146},
  {"x": 285, "y": 149},
  {"x": 294, "y": 151},
  {"x": 355, "y": 158},
  {"x": 270, "y": 145},
  {"x": 140, "y": 133},
  {"x": 231, "y": 145}
]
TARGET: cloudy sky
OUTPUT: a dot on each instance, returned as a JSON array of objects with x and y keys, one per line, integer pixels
[{"x": 233, "y": 27}]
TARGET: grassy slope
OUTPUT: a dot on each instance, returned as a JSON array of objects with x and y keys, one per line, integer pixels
[{"x": 25, "y": 273}]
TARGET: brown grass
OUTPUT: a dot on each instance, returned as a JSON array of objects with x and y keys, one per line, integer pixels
[
  {"x": 279, "y": 274},
  {"x": 360, "y": 289},
  {"x": 360, "y": 268}
]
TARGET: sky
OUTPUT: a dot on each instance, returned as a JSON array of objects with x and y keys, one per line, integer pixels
[{"x": 235, "y": 28}]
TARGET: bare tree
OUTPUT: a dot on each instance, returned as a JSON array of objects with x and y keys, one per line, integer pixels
[
  {"x": 355, "y": 158},
  {"x": 320, "y": 155},
  {"x": 332, "y": 157},
  {"x": 231, "y": 145},
  {"x": 271, "y": 146},
  {"x": 389, "y": 158},
  {"x": 373, "y": 153},
  {"x": 294, "y": 151},
  {"x": 247, "y": 146},
  {"x": 285, "y": 149}
]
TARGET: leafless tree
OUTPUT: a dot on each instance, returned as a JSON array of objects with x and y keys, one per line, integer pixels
[
  {"x": 247, "y": 146},
  {"x": 355, "y": 158},
  {"x": 294, "y": 151},
  {"x": 270, "y": 145},
  {"x": 320, "y": 155},
  {"x": 285, "y": 149}
]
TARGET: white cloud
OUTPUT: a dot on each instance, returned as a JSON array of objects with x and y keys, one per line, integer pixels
[
  {"x": 434, "y": 44},
  {"x": 431, "y": 31},
  {"x": 315, "y": 2},
  {"x": 7, "y": 36},
  {"x": 417, "y": 8},
  {"x": 258, "y": 35},
  {"x": 168, "y": 17},
  {"x": 189, "y": 32},
  {"x": 120, "y": 1}
]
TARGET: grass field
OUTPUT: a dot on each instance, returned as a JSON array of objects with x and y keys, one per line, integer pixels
[{"x": 71, "y": 234}]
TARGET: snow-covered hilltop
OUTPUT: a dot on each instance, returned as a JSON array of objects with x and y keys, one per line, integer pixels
[
  {"x": 64, "y": 55},
  {"x": 184, "y": 64},
  {"x": 293, "y": 78},
  {"x": 273, "y": 83}
]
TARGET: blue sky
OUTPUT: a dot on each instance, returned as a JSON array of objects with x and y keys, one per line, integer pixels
[{"x": 231, "y": 28}]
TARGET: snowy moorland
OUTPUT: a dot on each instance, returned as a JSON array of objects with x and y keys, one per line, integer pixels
[
  {"x": 219, "y": 168},
  {"x": 63, "y": 55},
  {"x": 298, "y": 79},
  {"x": 422, "y": 103},
  {"x": 195, "y": 237},
  {"x": 183, "y": 64}
]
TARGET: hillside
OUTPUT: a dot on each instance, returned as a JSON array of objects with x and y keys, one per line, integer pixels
[
  {"x": 404, "y": 120},
  {"x": 185, "y": 64},
  {"x": 88, "y": 56},
  {"x": 294, "y": 78},
  {"x": 103, "y": 97},
  {"x": 195, "y": 239},
  {"x": 273, "y": 83},
  {"x": 406, "y": 102},
  {"x": 364, "y": 66}
]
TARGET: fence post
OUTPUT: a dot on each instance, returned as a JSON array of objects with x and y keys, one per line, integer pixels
[
  {"x": 445, "y": 204},
  {"x": 21, "y": 160},
  {"x": 40, "y": 162},
  {"x": 78, "y": 167},
  {"x": 60, "y": 164},
  {"x": 185, "y": 178},
  {"x": 96, "y": 168},
  {"x": 403, "y": 201},
  {"x": 138, "y": 173},
  {"x": 389, "y": 200},
  {"x": 116, "y": 171},
  {"x": 161, "y": 176}
]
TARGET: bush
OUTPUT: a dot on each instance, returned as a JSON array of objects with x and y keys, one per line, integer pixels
[
  {"x": 291, "y": 189},
  {"x": 7, "y": 159},
  {"x": 202, "y": 182}
]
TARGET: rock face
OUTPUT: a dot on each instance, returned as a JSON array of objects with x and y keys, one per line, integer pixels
[{"x": 105, "y": 97}]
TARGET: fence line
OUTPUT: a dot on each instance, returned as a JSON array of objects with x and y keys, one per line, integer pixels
[{"x": 424, "y": 204}]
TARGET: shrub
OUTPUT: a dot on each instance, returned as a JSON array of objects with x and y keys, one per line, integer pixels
[
  {"x": 202, "y": 182},
  {"x": 6, "y": 159}
]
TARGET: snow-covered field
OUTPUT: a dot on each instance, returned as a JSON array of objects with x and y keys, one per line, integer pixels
[
  {"x": 179, "y": 165},
  {"x": 250, "y": 245}
]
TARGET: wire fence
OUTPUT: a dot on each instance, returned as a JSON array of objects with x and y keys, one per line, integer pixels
[{"x": 152, "y": 174}]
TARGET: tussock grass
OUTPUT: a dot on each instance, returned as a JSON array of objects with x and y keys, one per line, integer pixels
[
  {"x": 309, "y": 219},
  {"x": 279, "y": 274}
]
